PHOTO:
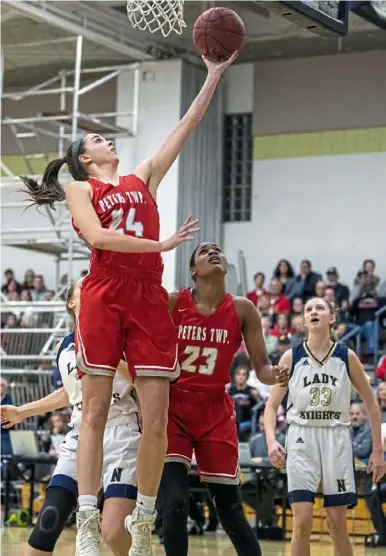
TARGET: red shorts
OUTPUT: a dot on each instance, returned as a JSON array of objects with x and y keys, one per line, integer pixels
[
  {"x": 124, "y": 311},
  {"x": 205, "y": 424}
]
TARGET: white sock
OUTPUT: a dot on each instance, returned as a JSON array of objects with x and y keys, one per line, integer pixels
[
  {"x": 145, "y": 504},
  {"x": 87, "y": 502}
]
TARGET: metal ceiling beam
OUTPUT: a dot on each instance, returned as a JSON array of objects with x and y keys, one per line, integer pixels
[{"x": 105, "y": 35}]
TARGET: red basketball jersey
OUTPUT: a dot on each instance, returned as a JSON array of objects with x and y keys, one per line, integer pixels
[
  {"x": 128, "y": 208},
  {"x": 206, "y": 344}
]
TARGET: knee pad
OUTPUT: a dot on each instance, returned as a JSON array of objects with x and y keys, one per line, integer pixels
[
  {"x": 177, "y": 508},
  {"x": 57, "y": 508}
]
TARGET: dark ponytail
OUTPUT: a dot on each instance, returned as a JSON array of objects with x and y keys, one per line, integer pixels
[{"x": 50, "y": 190}]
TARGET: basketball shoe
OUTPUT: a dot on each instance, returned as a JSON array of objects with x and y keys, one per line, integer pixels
[
  {"x": 87, "y": 537},
  {"x": 140, "y": 527}
]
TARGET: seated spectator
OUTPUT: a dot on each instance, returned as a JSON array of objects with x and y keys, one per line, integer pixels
[
  {"x": 269, "y": 339},
  {"x": 320, "y": 288},
  {"x": 254, "y": 295},
  {"x": 9, "y": 277},
  {"x": 264, "y": 305},
  {"x": 381, "y": 397},
  {"x": 245, "y": 398},
  {"x": 29, "y": 277},
  {"x": 297, "y": 307},
  {"x": 368, "y": 266},
  {"x": 360, "y": 432},
  {"x": 39, "y": 289},
  {"x": 305, "y": 281},
  {"x": 299, "y": 334},
  {"x": 281, "y": 327},
  {"x": 284, "y": 272},
  {"x": 12, "y": 291},
  {"x": 362, "y": 312},
  {"x": 342, "y": 293},
  {"x": 381, "y": 368},
  {"x": 11, "y": 321},
  {"x": 279, "y": 303},
  {"x": 283, "y": 345},
  {"x": 258, "y": 443},
  {"x": 58, "y": 429}
]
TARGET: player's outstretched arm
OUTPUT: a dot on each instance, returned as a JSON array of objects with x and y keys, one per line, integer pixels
[
  {"x": 254, "y": 342},
  {"x": 153, "y": 170},
  {"x": 11, "y": 415},
  {"x": 79, "y": 203},
  {"x": 361, "y": 384}
]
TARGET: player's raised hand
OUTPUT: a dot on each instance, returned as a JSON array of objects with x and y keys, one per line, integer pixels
[
  {"x": 282, "y": 374},
  {"x": 185, "y": 233},
  {"x": 276, "y": 454},
  {"x": 9, "y": 416},
  {"x": 377, "y": 466},
  {"x": 219, "y": 67}
]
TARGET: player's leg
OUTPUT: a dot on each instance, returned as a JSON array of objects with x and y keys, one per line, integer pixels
[
  {"x": 218, "y": 463},
  {"x": 174, "y": 486},
  {"x": 151, "y": 352},
  {"x": 119, "y": 483},
  {"x": 99, "y": 344},
  {"x": 303, "y": 476},
  {"x": 338, "y": 484},
  {"x": 175, "y": 509},
  {"x": 59, "y": 503},
  {"x": 227, "y": 500}
]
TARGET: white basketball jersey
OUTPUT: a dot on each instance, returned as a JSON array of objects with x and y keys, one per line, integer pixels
[
  {"x": 319, "y": 392},
  {"x": 124, "y": 406}
]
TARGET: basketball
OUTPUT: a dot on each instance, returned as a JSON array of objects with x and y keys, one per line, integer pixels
[{"x": 217, "y": 33}]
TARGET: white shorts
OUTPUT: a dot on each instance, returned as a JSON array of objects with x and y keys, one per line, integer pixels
[
  {"x": 120, "y": 447},
  {"x": 318, "y": 455}
]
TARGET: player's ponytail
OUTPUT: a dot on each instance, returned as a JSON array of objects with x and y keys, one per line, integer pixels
[
  {"x": 69, "y": 296},
  {"x": 50, "y": 191}
]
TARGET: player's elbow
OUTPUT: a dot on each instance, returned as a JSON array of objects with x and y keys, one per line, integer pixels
[{"x": 94, "y": 239}]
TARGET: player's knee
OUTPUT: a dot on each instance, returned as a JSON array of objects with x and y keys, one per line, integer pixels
[
  {"x": 337, "y": 522},
  {"x": 302, "y": 526},
  {"x": 95, "y": 414},
  {"x": 113, "y": 533},
  {"x": 158, "y": 422},
  {"x": 176, "y": 508}
]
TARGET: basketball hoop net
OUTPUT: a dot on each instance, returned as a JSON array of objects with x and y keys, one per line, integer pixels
[{"x": 159, "y": 15}]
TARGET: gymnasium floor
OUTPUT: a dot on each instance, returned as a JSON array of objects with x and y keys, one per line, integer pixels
[{"x": 13, "y": 543}]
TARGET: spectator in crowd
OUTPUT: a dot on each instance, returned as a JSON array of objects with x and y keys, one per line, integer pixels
[
  {"x": 362, "y": 313},
  {"x": 11, "y": 321},
  {"x": 381, "y": 368},
  {"x": 281, "y": 327},
  {"x": 360, "y": 283},
  {"x": 320, "y": 288},
  {"x": 6, "y": 449},
  {"x": 279, "y": 302},
  {"x": 381, "y": 397},
  {"x": 368, "y": 267},
  {"x": 342, "y": 293},
  {"x": 39, "y": 289},
  {"x": 360, "y": 432},
  {"x": 258, "y": 443},
  {"x": 269, "y": 339},
  {"x": 284, "y": 272},
  {"x": 297, "y": 307},
  {"x": 58, "y": 429},
  {"x": 382, "y": 289},
  {"x": 245, "y": 398},
  {"x": 29, "y": 277},
  {"x": 9, "y": 276},
  {"x": 305, "y": 281},
  {"x": 254, "y": 295},
  {"x": 12, "y": 291},
  {"x": 299, "y": 334},
  {"x": 284, "y": 343},
  {"x": 264, "y": 305}
]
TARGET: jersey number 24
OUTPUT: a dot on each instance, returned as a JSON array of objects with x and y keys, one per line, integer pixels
[
  {"x": 193, "y": 353},
  {"x": 129, "y": 225}
]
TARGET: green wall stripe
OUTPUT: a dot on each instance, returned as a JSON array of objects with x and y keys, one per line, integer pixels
[
  {"x": 351, "y": 141},
  {"x": 17, "y": 165}
]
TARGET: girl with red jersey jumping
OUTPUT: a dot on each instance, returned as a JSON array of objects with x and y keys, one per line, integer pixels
[
  {"x": 123, "y": 305},
  {"x": 210, "y": 325}
]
